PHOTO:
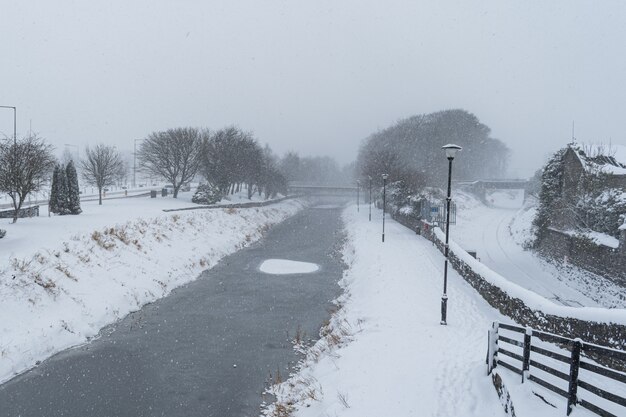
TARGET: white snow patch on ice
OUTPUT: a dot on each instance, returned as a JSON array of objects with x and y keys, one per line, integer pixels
[{"x": 285, "y": 267}]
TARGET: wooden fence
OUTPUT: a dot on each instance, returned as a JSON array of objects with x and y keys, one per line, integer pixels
[{"x": 527, "y": 352}]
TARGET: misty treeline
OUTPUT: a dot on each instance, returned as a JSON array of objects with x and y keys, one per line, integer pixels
[
  {"x": 410, "y": 153},
  {"x": 229, "y": 160},
  {"x": 317, "y": 170}
]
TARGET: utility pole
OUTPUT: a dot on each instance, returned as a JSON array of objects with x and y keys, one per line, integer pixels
[
  {"x": 14, "y": 144},
  {"x": 370, "y": 200},
  {"x": 135, "y": 163},
  {"x": 14, "y": 122},
  {"x": 385, "y": 176}
]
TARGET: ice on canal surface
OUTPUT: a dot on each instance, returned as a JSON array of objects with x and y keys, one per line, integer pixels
[{"x": 285, "y": 266}]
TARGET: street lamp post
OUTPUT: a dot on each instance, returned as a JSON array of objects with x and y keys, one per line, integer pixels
[
  {"x": 14, "y": 122},
  {"x": 451, "y": 151},
  {"x": 13, "y": 168},
  {"x": 370, "y": 200},
  {"x": 77, "y": 152},
  {"x": 358, "y": 188},
  {"x": 385, "y": 176},
  {"x": 135, "y": 163}
]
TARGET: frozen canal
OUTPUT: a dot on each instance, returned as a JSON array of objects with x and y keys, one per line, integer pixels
[{"x": 209, "y": 348}]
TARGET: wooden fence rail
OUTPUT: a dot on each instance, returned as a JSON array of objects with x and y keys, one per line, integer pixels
[{"x": 501, "y": 346}]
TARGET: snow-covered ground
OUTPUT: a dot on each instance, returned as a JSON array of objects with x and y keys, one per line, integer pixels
[
  {"x": 63, "y": 278},
  {"x": 498, "y": 231},
  {"x": 384, "y": 352}
]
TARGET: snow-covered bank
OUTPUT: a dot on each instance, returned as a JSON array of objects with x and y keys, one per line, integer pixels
[
  {"x": 384, "y": 352},
  {"x": 60, "y": 290}
]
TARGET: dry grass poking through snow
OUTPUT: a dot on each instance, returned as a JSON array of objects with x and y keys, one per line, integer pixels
[{"x": 302, "y": 389}]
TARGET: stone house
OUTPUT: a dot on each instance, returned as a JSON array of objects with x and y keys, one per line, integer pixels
[
  {"x": 568, "y": 237},
  {"x": 580, "y": 160}
]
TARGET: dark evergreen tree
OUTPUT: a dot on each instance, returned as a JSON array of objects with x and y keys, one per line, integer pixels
[
  {"x": 53, "y": 204},
  {"x": 72, "y": 188},
  {"x": 62, "y": 193},
  {"x": 549, "y": 195},
  {"x": 207, "y": 194}
]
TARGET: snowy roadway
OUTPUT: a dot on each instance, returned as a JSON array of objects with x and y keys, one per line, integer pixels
[{"x": 487, "y": 229}]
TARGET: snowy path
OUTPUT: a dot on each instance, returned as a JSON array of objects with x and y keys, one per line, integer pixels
[
  {"x": 487, "y": 230},
  {"x": 402, "y": 361},
  {"x": 397, "y": 360}
]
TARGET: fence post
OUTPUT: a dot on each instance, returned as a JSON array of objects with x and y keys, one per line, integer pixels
[
  {"x": 573, "y": 376},
  {"x": 526, "y": 362},
  {"x": 492, "y": 348}
]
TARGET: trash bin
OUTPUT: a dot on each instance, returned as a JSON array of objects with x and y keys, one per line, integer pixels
[
  {"x": 164, "y": 192},
  {"x": 153, "y": 194}
]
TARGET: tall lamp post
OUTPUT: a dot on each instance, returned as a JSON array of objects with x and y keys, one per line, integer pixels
[
  {"x": 370, "y": 200},
  {"x": 358, "y": 188},
  {"x": 135, "y": 162},
  {"x": 14, "y": 142},
  {"x": 385, "y": 176},
  {"x": 451, "y": 151},
  {"x": 14, "y": 122},
  {"x": 77, "y": 152}
]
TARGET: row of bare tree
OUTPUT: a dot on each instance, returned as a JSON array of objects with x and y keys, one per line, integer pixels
[{"x": 228, "y": 158}]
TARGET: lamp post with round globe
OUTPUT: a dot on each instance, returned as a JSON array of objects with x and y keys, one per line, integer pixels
[
  {"x": 385, "y": 176},
  {"x": 370, "y": 200},
  {"x": 451, "y": 151}
]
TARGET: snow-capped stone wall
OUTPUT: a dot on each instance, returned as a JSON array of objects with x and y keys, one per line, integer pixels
[{"x": 597, "y": 325}]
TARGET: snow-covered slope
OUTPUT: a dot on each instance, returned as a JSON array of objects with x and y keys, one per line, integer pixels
[{"x": 63, "y": 278}]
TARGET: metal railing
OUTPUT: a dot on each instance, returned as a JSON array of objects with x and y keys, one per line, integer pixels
[{"x": 534, "y": 358}]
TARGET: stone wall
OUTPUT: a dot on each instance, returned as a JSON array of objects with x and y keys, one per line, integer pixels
[
  {"x": 600, "y": 259},
  {"x": 606, "y": 334},
  {"x": 32, "y": 211}
]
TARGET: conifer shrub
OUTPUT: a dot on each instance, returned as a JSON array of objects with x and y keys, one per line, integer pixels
[
  {"x": 73, "y": 203},
  {"x": 54, "y": 191},
  {"x": 207, "y": 194}
]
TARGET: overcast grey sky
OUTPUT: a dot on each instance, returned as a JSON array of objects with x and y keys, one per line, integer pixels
[{"x": 318, "y": 76}]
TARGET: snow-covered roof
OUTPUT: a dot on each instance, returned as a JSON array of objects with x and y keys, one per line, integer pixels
[{"x": 610, "y": 159}]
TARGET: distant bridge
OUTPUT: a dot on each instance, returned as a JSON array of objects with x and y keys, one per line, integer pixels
[
  {"x": 323, "y": 190},
  {"x": 481, "y": 187}
]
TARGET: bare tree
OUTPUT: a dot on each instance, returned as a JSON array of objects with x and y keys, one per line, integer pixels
[
  {"x": 24, "y": 166},
  {"x": 173, "y": 154},
  {"x": 101, "y": 167}
]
